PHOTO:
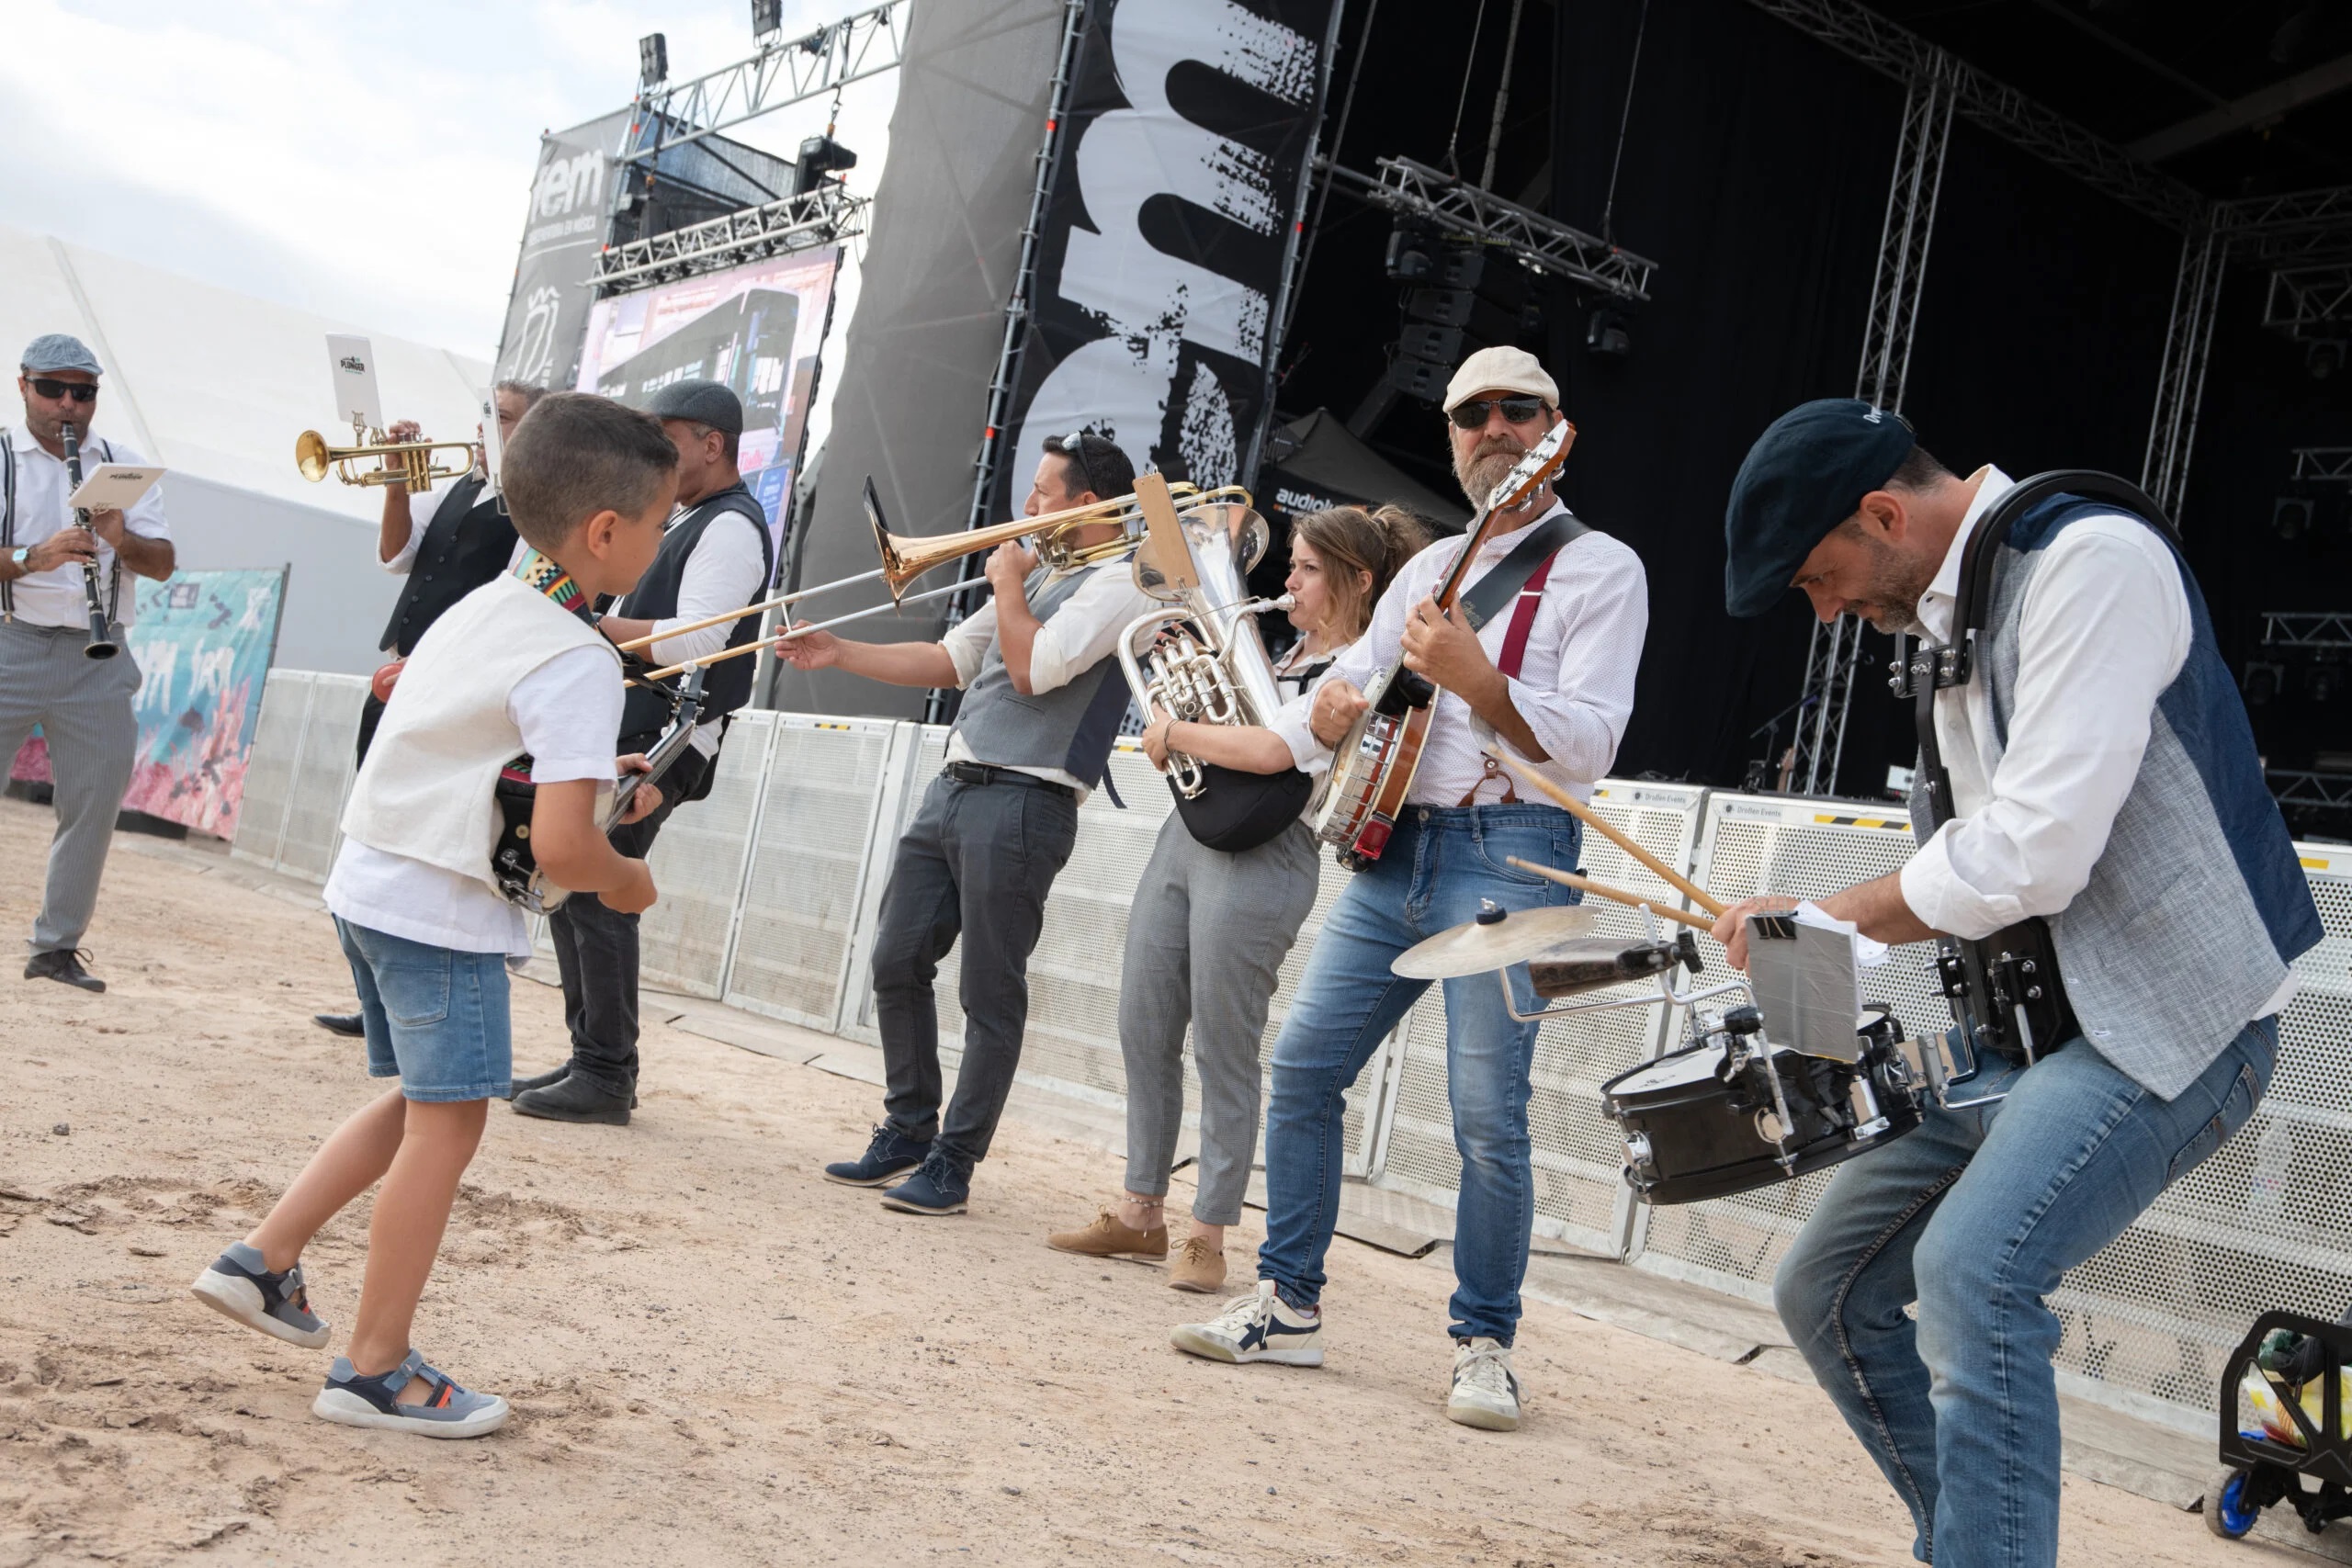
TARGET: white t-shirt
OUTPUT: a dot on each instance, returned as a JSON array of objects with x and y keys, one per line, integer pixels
[{"x": 568, "y": 710}]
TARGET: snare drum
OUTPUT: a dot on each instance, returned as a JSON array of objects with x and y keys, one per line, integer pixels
[{"x": 1704, "y": 1122}]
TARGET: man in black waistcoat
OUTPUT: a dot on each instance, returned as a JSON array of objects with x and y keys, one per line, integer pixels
[
  {"x": 466, "y": 541},
  {"x": 717, "y": 556}
]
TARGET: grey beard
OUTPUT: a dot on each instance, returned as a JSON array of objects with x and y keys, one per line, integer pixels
[{"x": 1482, "y": 474}]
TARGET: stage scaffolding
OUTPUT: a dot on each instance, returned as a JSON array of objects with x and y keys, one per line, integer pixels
[
  {"x": 782, "y": 72},
  {"x": 777, "y": 228}
]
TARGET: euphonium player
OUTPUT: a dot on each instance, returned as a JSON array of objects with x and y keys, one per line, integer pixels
[
  {"x": 1208, "y": 928},
  {"x": 1043, "y": 699}
]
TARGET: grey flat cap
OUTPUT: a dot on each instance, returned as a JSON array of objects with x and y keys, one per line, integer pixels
[
  {"x": 55, "y": 350},
  {"x": 704, "y": 402}
]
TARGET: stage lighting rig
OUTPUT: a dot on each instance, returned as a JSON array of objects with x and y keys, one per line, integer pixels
[
  {"x": 2323, "y": 358},
  {"x": 1412, "y": 255},
  {"x": 2290, "y": 515},
  {"x": 1605, "y": 332},
  {"x": 2261, "y": 683},
  {"x": 652, "y": 59},
  {"x": 767, "y": 18}
]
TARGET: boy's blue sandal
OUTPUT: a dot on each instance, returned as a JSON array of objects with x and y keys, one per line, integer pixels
[
  {"x": 236, "y": 1285},
  {"x": 448, "y": 1411}
]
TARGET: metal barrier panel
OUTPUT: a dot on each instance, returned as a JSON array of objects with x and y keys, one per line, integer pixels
[
  {"x": 1580, "y": 1191},
  {"x": 1812, "y": 847},
  {"x": 697, "y": 864},
  {"x": 323, "y": 777},
  {"x": 269, "y": 766},
  {"x": 816, "y": 825},
  {"x": 919, "y": 751}
]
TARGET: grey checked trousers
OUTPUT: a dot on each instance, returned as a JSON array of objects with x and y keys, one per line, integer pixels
[{"x": 83, "y": 706}]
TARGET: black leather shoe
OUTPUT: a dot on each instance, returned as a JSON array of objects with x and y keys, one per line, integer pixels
[
  {"x": 62, "y": 964},
  {"x": 574, "y": 1100},
  {"x": 349, "y": 1024},
  {"x": 552, "y": 1077}
]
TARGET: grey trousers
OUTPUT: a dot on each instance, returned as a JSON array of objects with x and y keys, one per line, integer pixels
[
  {"x": 1206, "y": 937},
  {"x": 83, "y": 706}
]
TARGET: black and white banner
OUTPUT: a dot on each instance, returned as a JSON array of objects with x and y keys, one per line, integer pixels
[
  {"x": 1179, "y": 186},
  {"x": 547, "y": 315}
]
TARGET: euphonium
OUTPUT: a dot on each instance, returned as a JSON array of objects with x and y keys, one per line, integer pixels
[{"x": 1203, "y": 658}]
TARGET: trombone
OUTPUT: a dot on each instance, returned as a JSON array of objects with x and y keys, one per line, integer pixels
[
  {"x": 906, "y": 557},
  {"x": 405, "y": 463}
]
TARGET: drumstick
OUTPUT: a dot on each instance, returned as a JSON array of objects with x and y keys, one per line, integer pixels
[
  {"x": 1610, "y": 831},
  {"x": 1616, "y": 895}
]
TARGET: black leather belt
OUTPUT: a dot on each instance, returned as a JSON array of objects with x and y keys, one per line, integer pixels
[{"x": 981, "y": 774}]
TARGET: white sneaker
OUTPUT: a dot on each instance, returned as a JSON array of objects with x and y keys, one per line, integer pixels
[
  {"x": 1259, "y": 1328},
  {"x": 1485, "y": 1394}
]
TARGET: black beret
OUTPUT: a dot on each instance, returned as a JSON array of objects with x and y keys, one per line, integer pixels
[
  {"x": 704, "y": 402},
  {"x": 1805, "y": 475}
]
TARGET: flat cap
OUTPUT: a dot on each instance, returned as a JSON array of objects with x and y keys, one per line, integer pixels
[
  {"x": 56, "y": 351},
  {"x": 1501, "y": 370},
  {"x": 704, "y": 402},
  {"x": 1807, "y": 473}
]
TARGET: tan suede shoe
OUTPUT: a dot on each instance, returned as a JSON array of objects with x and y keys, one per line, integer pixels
[
  {"x": 1106, "y": 1238},
  {"x": 1197, "y": 1266}
]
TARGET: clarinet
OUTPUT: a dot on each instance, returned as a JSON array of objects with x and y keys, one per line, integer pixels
[{"x": 101, "y": 645}]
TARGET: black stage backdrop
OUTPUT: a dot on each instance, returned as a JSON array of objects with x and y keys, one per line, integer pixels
[
  {"x": 1754, "y": 171},
  {"x": 1176, "y": 197}
]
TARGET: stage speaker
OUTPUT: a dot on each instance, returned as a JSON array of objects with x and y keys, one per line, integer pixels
[{"x": 1433, "y": 344}]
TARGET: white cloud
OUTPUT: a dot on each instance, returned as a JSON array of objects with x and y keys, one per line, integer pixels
[{"x": 370, "y": 163}]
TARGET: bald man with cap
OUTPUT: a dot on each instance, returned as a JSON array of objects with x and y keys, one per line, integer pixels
[
  {"x": 82, "y": 704},
  {"x": 2102, "y": 781},
  {"x": 1548, "y": 677},
  {"x": 717, "y": 555}
]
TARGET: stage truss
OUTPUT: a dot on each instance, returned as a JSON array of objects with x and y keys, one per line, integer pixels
[{"x": 783, "y": 72}]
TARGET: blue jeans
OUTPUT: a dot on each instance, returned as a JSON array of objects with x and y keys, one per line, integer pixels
[
  {"x": 1974, "y": 1216},
  {"x": 1438, "y": 866},
  {"x": 435, "y": 1019}
]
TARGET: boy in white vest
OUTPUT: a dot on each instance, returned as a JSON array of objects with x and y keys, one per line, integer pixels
[{"x": 516, "y": 667}]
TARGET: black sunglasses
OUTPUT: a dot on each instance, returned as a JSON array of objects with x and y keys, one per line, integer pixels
[
  {"x": 1519, "y": 410},
  {"x": 80, "y": 391}
]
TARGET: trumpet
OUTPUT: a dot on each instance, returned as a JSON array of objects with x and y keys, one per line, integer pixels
[{"x": 408, "y": 463}]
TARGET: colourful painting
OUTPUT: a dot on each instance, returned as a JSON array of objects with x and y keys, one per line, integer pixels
[{"x": 203, "y": 641}]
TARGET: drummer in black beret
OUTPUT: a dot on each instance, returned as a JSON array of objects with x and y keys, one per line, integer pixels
[{"x": 1818, "y": 468}]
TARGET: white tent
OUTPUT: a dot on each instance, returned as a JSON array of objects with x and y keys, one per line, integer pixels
[{"x": 216, "y": 386}]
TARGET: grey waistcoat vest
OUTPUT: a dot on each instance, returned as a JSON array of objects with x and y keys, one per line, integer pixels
[
  {"x": 1070, "y": 727},
  {"x": 2198, "y": 904}
]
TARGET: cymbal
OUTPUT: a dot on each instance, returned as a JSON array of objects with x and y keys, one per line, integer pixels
[{"x": 1494, "y": 941}]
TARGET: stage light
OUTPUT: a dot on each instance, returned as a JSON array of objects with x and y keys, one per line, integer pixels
[
  {"x": 1409, "y": 258},
  {"x": 819, "y": 156},
  {"x": 2261, "y": 683},
  {"x": 767, "y": 17},
  {"x": 1604, "y": 332},
  {"x": 2324, "y": 358},
  {"x": 652, "y": 59},
  {"x": 2321, "y": 682},
  {"x": 2290, "y": 516}
]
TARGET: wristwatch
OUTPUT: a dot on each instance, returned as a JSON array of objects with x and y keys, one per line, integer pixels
[{"x": 21, "y": 554}]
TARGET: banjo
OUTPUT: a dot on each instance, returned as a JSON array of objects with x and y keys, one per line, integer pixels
[{"x": 1374, "y": 763}]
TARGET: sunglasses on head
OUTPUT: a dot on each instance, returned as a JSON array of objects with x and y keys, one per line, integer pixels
[
  {"x": 1519, "y": 410},
  {"x": 1074, "y": 447},
  {"x": 80, "y": 391}
]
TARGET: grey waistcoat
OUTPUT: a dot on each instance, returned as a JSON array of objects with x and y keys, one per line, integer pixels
[
  {"x": 1070, "y": 727},
  {"x": 2197, "y": 904}
]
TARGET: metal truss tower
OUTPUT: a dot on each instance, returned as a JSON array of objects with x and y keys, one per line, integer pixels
[
  {"x": 1541, "y": 244},
  {"x": 784, "y": 71},
  {"x": 1835, "y": 655}
]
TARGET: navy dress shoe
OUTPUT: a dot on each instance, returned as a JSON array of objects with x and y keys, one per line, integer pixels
[
  {"x": 941, "y": 1185},
  {"x": 889, "y": 1155}
]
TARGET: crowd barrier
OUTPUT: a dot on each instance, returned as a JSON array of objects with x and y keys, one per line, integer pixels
[{"x": 771, "y": 888}]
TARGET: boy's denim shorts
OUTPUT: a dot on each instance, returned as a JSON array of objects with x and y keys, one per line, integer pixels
[{"x": 437, "y": 1018}]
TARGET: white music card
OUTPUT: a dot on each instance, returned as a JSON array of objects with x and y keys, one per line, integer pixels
[
  {"x": 352, "y": 362},
  {"x": 493, "y": 449},
  {"x": 112, "y": 486}
]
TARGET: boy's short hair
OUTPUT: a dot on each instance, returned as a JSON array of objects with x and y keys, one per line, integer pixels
[{"x": 575, "y": 455}]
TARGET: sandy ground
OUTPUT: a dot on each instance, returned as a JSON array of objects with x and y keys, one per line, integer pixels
[{"x": 716, "y": 1357}]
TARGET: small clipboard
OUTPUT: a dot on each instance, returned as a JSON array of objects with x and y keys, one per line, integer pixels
[{"x": 114, "y": 487}]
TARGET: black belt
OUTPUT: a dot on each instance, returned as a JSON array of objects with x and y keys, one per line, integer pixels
[{"x": 982, "y": 773}]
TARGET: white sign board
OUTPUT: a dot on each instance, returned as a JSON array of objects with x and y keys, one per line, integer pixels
[{"x": 352, "y": 362}]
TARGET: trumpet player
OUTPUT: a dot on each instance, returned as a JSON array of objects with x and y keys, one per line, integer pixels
[
  {"x": 1043, "y": 699},
  {"x": 82, "y": 705},
  {"x": 1209, "y": 927}
]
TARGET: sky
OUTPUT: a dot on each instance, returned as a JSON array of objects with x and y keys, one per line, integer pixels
[{"x": 370, "y": 162}]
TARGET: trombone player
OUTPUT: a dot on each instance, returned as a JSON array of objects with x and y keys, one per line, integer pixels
[
  {"x": 82, "y": 705},
  {"x": 1043, "y": 700}
]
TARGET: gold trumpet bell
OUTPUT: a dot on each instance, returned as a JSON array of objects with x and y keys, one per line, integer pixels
[{"x": 410, "y": 462}]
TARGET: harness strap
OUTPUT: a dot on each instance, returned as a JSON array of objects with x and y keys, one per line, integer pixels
[{"x": 1522, "y": 621}]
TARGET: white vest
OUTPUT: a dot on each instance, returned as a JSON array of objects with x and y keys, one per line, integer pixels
[{"x": 427, "y": 790}]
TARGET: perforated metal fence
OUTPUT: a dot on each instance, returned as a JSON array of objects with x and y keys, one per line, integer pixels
[
  {"x": 698, "y": 862},
  {"x": 1581, "y": 1193},
  {"x": 269, "y": 767}
]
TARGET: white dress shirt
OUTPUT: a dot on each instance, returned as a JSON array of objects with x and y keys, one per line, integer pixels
[
  {"x": 2103, "y": 629},
  {"x": 1575, "y": 687},
  {"x": 726, "y": 571},
  {"x": 1081, "y": 634},
  {"x": 56, "y": 597}
]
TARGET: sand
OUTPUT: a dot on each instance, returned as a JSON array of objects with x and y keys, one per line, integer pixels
[{"x": 715, "y": 1357}]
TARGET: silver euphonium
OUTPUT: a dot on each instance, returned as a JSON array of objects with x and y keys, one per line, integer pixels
[{"x": 1201, "y": 659}]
